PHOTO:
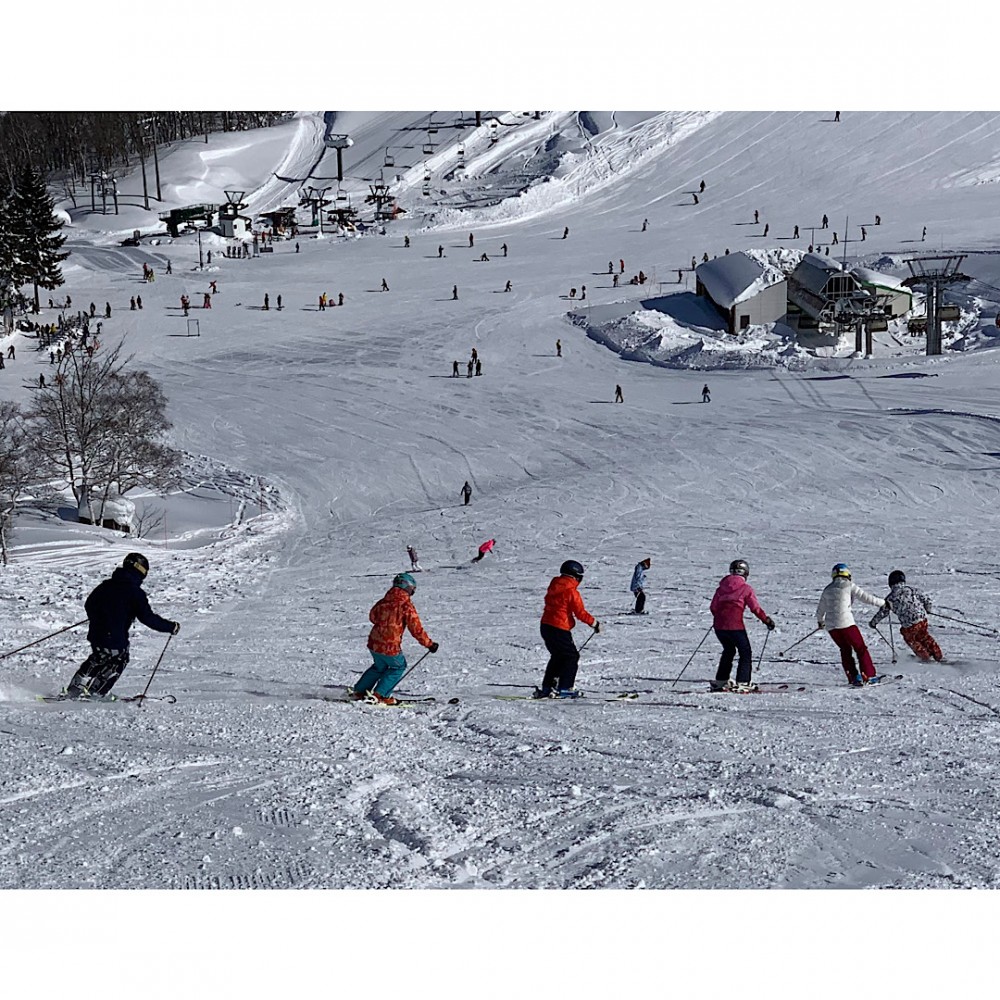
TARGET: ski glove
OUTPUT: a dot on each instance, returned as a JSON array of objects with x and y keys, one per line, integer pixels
[
  {"x": 433, "y": 647},
  {"x": 597, "y": 626},
  {"x": 769, "y": 622},
  {"x": 176, "y": 628}
]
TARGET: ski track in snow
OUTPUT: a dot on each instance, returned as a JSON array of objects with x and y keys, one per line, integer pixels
[{"x": 252, "y": 780}]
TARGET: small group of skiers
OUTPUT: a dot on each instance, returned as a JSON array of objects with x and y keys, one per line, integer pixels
[{"x": 114, "y": 605}]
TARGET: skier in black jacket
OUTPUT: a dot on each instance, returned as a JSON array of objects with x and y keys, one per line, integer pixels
[{"x": 112, "y": 607}]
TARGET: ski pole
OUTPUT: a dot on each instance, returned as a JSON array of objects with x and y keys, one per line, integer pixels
[
  {"x": 962, "y": 621},
  {"x": 153, "y": 674},
  {"x": 415, "y": 665},
  {"x": 51, "y": 635},
  {"x": 892, "y": 641},
  {"x": 589, "y": 637},
  {"x": 760, "y": 659},
  {"x": 691, "y": 657},
  {"x": 818, "y": 628},
  {"x": 883, "y": 638}
]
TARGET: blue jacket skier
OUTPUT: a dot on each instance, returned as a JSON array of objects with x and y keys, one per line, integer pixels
[
  {"x": 638, "y": 585},
  {"x": 112, "y": 607}
]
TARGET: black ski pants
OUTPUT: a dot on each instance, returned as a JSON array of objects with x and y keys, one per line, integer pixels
[
  {"x": 734, "y": 640},
  {"x": 99, "y": 672},
  {"x": 564, "y": 658},
  {"x": 640, "y": 601}
]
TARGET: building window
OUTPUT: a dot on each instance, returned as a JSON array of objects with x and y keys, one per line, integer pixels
[{"x": 744, "y": 322}]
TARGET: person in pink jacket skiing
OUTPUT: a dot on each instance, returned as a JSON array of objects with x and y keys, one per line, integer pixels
[
  {"x": 731, "y": 597},
  {"x": 484, "y": 549}
]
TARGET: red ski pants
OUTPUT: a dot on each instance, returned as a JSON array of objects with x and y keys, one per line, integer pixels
[
  {"x": 921, "y": 641},
  {"x": 850, "y": 640}
]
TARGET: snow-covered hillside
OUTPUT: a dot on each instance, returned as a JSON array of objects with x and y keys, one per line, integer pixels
[{"x": 322, "y": 443}]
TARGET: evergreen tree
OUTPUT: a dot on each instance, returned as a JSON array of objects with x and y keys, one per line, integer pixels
[
  {"x": 32, "y": 212},
  {"x": 13, "y": 272}
]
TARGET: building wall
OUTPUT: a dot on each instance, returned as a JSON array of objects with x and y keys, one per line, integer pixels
[{"x": 766, "y": 307}]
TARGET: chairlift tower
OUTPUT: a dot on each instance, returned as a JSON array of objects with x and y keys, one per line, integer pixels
[
  {"x": 933, "y": 274},
  {"x": 865, "y": 314},
  {"x": 339, "y": 142},
  {"x": 317, "y": 199}
]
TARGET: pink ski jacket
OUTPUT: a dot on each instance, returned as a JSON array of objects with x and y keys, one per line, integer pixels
[{"x": 732, "y": 596}]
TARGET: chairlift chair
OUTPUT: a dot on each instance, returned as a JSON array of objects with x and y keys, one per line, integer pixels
[
  {"x": 428, "y": 148},
  {"x": 390, "y": 160},
  {"x": 341, "y": 194}
]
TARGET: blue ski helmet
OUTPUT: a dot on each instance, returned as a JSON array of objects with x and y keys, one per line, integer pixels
[
  {"x": 405, "y": 582},
  {"x": 841, "y": 569}
]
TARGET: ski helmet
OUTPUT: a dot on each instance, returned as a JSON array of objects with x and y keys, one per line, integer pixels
[
  {"x": 572, "y": 568},
  {"x": 136, "y": 561},
  {"x": 896, "y": 576},
  {"x": 841, "y": 569},
  {"x": 405, "y": 582},
  {"x": 740, "y": 567}
]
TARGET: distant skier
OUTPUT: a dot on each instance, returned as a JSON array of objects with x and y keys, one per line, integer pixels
[
  {"x": 834, "y": 614},
  {"x": 795, "y": 233},
  {"x": 706, "y": 396},
  {"x": 611, "y": 267},
  {"x": 207, "y": 301},
  {"x": 267, "y": 301},
  {"x": 440, "y": 250},
  {"x": 695, "y": 196},
  {"x": 583, "y": 292},
  {"x": 475, "y": 354},
  {"x": 836, "y": 116},
  {"x": 385, "y": 285},
  {"x": 645, "y": 224},
  {"x": 572, "y": 293},
  {"x": 340, "y": 299},
  {"x": 767, "y": 228},
  {"x": 454, "y": 369},
  {"x": 112, "y": 607},
  {"x": 911, "y": 608},
  {"x": 483, "y": 257},
  {"x": 470, "y": 367},
  {"x": 485, "y": 548},
  {"x": 278, "y": 303},
  {"x": 41, "y": 378},
  {"x": 507, "y": 287},
  {"x": 756, "y": 216},
  {"x": 503, "y": 247},
  {"x": 638, "y": 585},
  {"x": 479, "y": 366},
  {"x": 614, "y": 281},
  {"x": 131, "y": 303},
  {"x": 170, "y": 269},
  {"x": 923, "y": 235},
  {"x": 472, "y": 240},
  {"x": 563, "y": 606},
  {"x": 558, "y": 348},
  {"x": 826, "y": 222},
  {"x": 406, "y": 242},
  {"x": 878, "y": 220},
  {"x": 701, "y": 187},
  {"x": 619, "y": 398},
  {"x": 390, "y": 616},
  {"x": 731, "y": 597},
  {"x": 621, "y": 266},
  {"x": 454, "y": 292},
  {"x": 213, "y": 287},
  {"x": 414, "y": 563},
  {"x": 322, "y": 302},
  {"x": 680, "y": 276},
  {"x": 565, "y": 232},
  {"x": 467, "y": 492}
]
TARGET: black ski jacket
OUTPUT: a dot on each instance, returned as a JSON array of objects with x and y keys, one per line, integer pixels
[{"x": 114, "y": 604}]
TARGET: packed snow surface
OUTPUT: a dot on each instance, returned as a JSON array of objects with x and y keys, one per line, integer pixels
[{"x": 319, "y": 444}]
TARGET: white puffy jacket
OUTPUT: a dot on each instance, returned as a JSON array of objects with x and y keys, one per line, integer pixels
[{"x": 834, "y": 608}]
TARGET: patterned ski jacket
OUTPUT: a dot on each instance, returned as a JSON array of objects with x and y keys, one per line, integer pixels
[
  {"x": 638, "y": 578},
  {"x": 731, "y": 597},
  {"x": 390, "y": 616},
  {"x": 563, "y": 604},
  {"x": 910, "y": 606},
  {"x": 834, "y": 608},
  {"x": 112, "y": 607}
]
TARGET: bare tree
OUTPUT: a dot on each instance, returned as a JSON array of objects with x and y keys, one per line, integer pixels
[
  {"x": 99, "y": 426},
  {"x": 15, "y": 467}
]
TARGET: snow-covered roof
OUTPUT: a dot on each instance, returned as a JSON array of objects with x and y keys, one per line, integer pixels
[
  {"x": 737, "y": 277},
  {"x": 869, "y": 277},
  {"x": 815, "y": 271}
]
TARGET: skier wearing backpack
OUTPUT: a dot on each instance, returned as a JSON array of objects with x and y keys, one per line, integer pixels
[
  {"x": 731, "y": 596},
  {"x": 390, "y": 616},
  {"x": 911, "y": 608},
  {"x": 834, "y": 614},
  {"x": 563, "y": 606},
  {"x": 638, "y": 585},
  {"x": 112, "y": 607}
]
